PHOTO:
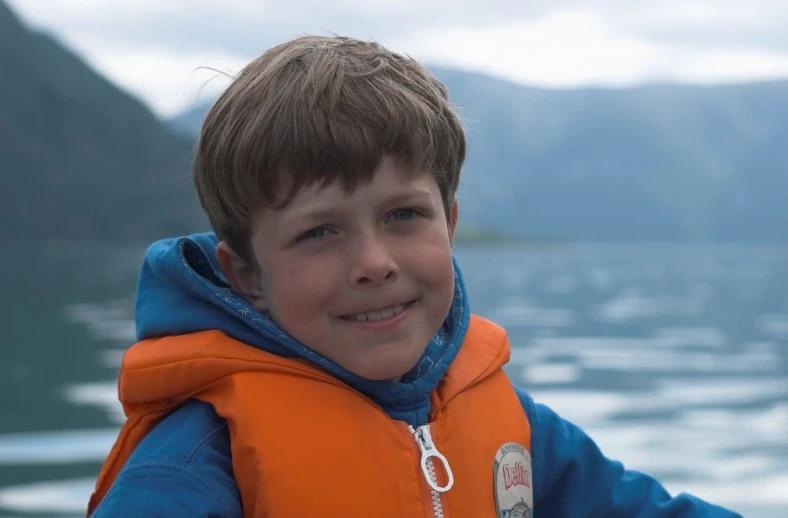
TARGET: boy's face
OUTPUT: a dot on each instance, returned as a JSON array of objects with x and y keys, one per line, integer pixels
[{"x": 365, "y": 279}]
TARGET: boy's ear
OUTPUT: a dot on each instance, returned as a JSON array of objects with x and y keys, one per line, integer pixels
[
  {"x": 242, "y": 277},
  {"x": 455, "y": 214}
]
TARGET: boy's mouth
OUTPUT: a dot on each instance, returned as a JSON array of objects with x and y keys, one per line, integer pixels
[{"x": 383, "y": 314}]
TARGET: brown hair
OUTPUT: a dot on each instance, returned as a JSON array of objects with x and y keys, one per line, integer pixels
[{"x": 320, "y": 109}]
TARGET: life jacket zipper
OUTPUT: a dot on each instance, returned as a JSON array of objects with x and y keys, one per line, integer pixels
[{"x": 428, "y": 454}]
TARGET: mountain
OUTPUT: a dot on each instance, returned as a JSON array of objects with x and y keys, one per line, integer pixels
[
  {"x": 662, "y": 162},
  {"x": 81, "y": 159}
]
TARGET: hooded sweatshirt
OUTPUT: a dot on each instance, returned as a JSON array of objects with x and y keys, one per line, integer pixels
[{"x": 183, "y": 466}]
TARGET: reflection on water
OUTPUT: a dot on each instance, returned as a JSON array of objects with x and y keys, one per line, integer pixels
[
  {"x": 63, "y": 446},
  {"x": 67, "y": 496},
  {"x": 673, "y": 358}
]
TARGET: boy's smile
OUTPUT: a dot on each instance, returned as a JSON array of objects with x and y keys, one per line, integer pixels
[
  {"x": 380, "y": 316},
  {"x": 365, "y": 278}
]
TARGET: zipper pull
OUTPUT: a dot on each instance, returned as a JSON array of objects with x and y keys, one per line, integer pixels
[{"x": 428, "y": 451}]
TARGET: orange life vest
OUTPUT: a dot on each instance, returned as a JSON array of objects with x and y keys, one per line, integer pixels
[{"x": 305, "y": 444}]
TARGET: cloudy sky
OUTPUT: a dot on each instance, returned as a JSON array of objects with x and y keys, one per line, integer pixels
[{"x": 156, "y": 48}]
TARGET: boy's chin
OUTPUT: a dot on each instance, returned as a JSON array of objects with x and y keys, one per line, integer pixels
[
  {"x": 395, "y": 376},
  {"x": 387, "y": 372}
]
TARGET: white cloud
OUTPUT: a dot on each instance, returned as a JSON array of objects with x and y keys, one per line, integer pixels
[
  {"x": 153, "y": 48},
  {"x": 110, "y": 11},
  {"x": 577, "y": 48},
  {"x": 734, "y": 65},
  {"x": 564, "y": 49},
  {"x": 702, "y": 16}
]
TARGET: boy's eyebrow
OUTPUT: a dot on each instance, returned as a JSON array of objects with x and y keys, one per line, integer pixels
[
  {"x": 411, "y": 196},
  {"x": 414, "y": 194}
]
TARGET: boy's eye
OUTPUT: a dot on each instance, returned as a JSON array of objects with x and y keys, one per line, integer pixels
[
  {"x": 403, "y": 214},
  {"x": 314, "y": 233}
]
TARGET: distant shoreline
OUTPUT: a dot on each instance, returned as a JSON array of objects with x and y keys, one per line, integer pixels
[{"x": 470, "y": 235}]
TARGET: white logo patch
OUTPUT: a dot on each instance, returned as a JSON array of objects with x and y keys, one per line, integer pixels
[{"x": 512, "y": 479}]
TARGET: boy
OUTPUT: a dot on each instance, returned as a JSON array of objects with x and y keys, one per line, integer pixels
[{"x": 318, "y": 357}]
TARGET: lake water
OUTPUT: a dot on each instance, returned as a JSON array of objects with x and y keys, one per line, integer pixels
[{"x": 674, "y": 358}]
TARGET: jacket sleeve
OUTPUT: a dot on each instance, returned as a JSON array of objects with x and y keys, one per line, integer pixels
[
  {"x": 182, "y": 468},
  {"x": 163, "y": 489},
  {"x": 573, "y": 478}
]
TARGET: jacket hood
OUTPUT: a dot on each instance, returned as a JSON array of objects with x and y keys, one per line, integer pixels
[{"x": 182, "y": 290}]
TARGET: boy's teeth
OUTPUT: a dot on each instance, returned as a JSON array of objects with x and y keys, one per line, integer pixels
[{"x": 373, "y": 316}]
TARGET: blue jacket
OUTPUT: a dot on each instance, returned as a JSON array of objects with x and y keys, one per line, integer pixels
[{"x": 183, "y": 467}]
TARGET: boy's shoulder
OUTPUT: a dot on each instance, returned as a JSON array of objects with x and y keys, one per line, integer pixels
[
  {"x": 183, "y": 435},
  {"x": 183, "y": 464}
]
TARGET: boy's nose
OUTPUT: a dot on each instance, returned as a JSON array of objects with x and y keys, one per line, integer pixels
[{"x": 373, "y": 263}]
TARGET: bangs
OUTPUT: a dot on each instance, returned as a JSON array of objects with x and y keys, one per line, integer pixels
[{"x": 319, "y": 131}]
